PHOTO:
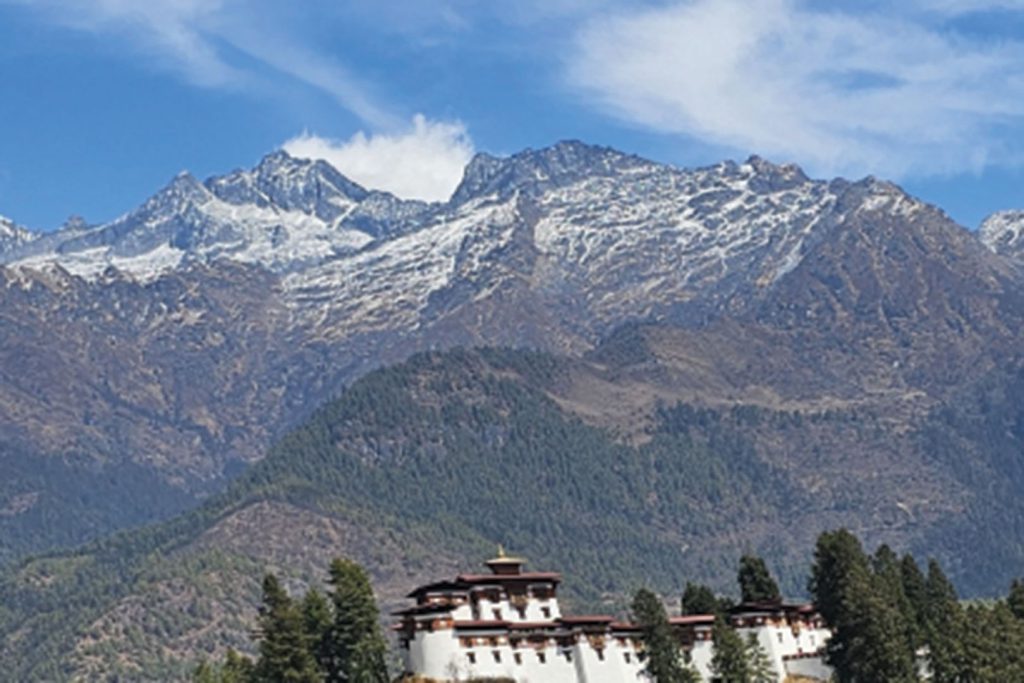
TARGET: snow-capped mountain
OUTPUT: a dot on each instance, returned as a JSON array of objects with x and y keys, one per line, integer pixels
[
  {"x": 571, "y": 225},
  {"x": 285, "y": 214},
  {"x": 1002, "y": 232},
  {"x": 13, "y": 236},
  {"x": 185, "y": 336}
]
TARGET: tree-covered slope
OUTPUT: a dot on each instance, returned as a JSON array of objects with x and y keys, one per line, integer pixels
[
  {"x": 415, "y": 470},
  {"x": 418, "y": 470}
]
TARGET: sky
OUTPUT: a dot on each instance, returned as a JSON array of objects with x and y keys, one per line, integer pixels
[{"x": 102, "y": 102}]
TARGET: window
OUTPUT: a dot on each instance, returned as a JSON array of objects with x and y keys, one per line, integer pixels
[
  {"x": 546, "y": 611},
  {"x": 497, "y": 656},
  {"x": 628, "y": 657},
  {"x": 600, "y": 655},
  {"x": 812, "y": 640},
  {"x": 497, "y": 614},
  {"x": 568, "y": 655},
  {"x": 541, "y": 657},
  {"x": 780, "y": 636},
  {"x": 518, "y": 657},
  {"x": 471, "y": 656}
]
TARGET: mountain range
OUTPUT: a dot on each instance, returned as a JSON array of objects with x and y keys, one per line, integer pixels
[{"x": 724, "y": 358}]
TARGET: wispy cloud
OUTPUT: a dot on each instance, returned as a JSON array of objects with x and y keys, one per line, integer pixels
[
  {"x": 881, "y": 90},
  {"x": 203, "y": 40},
  {"x": 425, "y": 161}
]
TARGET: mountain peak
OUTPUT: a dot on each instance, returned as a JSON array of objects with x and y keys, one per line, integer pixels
[
  {"x": 1002, "y": 231},
  {"x": 311, "y": 186},
  {"x": 535, "y": 170}
]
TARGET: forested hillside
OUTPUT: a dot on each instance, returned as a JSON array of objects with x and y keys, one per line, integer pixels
[{"x": 421, "y": 468}]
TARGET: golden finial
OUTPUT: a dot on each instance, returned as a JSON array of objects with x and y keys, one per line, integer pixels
[{"x": 501, "y": 551}]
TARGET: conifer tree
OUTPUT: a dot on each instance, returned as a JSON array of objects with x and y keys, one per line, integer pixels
[
  {"x": 756, "y": 582},
  {"x": 664, "y": 665},
  {"x": 762, "y": 670},
  {"x": 729, "y": 663},
  {"x": 285, "y": 655},
  {"x": 915, "y": 591},
  {"x": 699, "y": 599},
  {"x": 888, "y": 572},
  {"x": 869, "y": 634},
  {"x": 945, "y": 628},
  {"x": 317, "y": 619},
  {"x": 355, "y": 650}
]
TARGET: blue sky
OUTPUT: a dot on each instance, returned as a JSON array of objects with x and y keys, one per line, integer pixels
[{"x": 102, "y": 102}]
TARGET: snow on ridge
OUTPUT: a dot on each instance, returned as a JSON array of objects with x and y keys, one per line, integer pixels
[{"x": 1001, "y": 232}]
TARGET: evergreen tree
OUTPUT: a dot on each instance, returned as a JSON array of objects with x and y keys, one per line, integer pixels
[
  {"x": 699, "y": 599},
  {"x": 756, "y": 582},
  {"x": 316, "y": 622},
  {"x": 888, "y": 572},
  {"x": 664, "y": 665},
  {"x": 944, "y": 628},
  {"x": 915, "y": 591},
  {"x": 1015, "y": 601},
  {"x": 285, "y": 655},
  {"x": 869, "y": 633},
  {"x": 355, "y": 650},
  {"x": 729, "y": 663},
  {"x": 762, "y": 670}
]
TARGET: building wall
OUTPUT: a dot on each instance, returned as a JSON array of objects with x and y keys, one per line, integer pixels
[{"x": 781, "y": 641}]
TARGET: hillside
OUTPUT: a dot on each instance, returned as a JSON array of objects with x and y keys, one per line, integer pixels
[
  {"x": 167, "y": 349},
  {"x": 420, "y": 469}
]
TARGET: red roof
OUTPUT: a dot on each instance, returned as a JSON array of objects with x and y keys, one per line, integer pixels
[{"x": 690, "y": 619}]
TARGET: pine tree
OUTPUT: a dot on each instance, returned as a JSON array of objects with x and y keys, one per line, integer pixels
[
  {"x": 762, "y": 670},
  {"x": 729, "y": 662},
  {"x": 888, "y": 572},
  {"x": 316, "y": 622},
  {"x": 869, "y": 634},
  {"x": 285, "y": 655},
  {"x": 699, "y": 599},
  {"x": 664, "y": 664},
  {"x": 756, "y": 582},
  {"x": 355, "y": 650},
  {"x": 945, "y": 629},
  {"x": 915, "y": 591}
]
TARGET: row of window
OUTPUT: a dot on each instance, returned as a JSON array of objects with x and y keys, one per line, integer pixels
[{"x": 542, "y": 657}]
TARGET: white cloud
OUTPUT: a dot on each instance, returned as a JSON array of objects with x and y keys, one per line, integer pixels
[
  {"x": 874, "y": 92},
  {"x": 203, "y": 39},
  {"x": 424, "y": 162}
]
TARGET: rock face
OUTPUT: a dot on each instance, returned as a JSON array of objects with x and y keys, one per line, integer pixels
[{"x": 187, "y": 335}]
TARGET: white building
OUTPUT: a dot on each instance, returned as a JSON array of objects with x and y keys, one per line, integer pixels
[{"x": 508, "y": 624}]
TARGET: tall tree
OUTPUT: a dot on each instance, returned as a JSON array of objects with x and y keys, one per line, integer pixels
[
  {"x": 888, "y": 572},
  {"x": 664, "y": 663},
  {"x": 355, "y": 650},
  {"x": 699, "y": 599},
  {"x": 762, "y": 670},
  {"x": 317, "y": 618},
  {"x": 945, "y": 629},
  {"x": 914, "y": 589},
  {"x": 869, "y": 633},
  {"x": 285, "y": 655},
  {"x": 756, "y": 582},
  {"x": 729, "y": 664}
]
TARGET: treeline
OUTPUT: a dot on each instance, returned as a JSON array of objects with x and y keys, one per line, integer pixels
[
  {"x": 890, "y": 622},
  {"x": 735, "y": 660},
  {"x": 319, "y": 639}
]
